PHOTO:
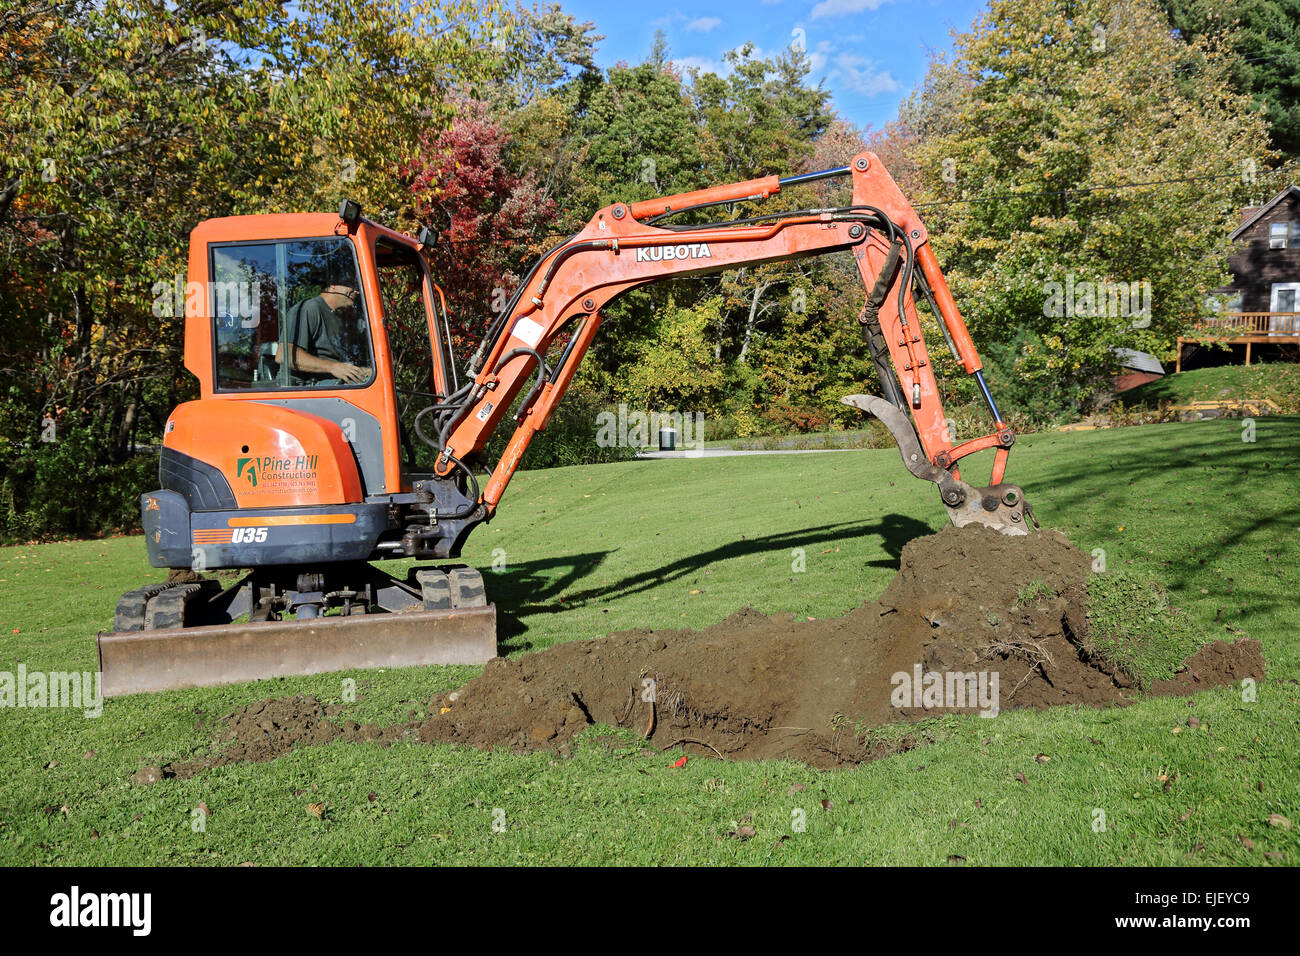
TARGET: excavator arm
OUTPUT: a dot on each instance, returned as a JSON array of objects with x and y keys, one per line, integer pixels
[{"x": 629, "y": 245}]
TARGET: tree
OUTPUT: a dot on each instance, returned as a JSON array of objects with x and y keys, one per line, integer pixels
[
  {"x": 762, "y": 118},
  {"x": 1088, "y": 182},
  {"x": 488, "y": 213},
  {"x": 1266, "y": 36}
]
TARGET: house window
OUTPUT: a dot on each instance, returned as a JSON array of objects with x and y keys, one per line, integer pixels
[{"x": 1284, "y": 235}]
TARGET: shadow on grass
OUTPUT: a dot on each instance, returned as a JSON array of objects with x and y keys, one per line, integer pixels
[
  {"x": 1123, "y": 475},
  {"x": 528, "y": 589}
]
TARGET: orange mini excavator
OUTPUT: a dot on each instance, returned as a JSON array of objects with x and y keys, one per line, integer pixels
[{"x": 298, "y": 460}]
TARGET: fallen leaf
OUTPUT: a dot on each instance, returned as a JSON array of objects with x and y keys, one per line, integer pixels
[
  {"x": 1021, "y": 777},
  {"x": 1193, "y": 722},
  {"x": 371, "y": 796},
  {"x": 1247, "y": 842},
  {"x": 1042, "y": 758},
  {"x": 1277, "y": 820},
  {"x": 796, "y": 788},
  {"x": 828, "y": 805},
  {"x": 317, "y": 810},
  {"x": 956, "y": 860},
  {"x": 745, "y": 833}
]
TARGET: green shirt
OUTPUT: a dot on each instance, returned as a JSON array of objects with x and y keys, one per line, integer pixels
[{"x": 318, "y": 329}]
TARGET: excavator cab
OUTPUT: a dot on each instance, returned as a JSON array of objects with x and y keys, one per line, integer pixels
[{"x": 294, "y": 461}]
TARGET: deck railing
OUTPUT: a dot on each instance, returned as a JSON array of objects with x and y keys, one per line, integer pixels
[{"x": 1262, "y": 324}]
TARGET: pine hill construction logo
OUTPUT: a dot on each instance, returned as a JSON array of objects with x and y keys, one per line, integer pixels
[
  {"x": 75, "y": 909},
  {"x": 949, "y": 690},
  {"x": 270, "y": 470}
]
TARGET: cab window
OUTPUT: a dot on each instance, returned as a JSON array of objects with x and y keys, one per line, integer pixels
[{"x": 289, "y": 315}]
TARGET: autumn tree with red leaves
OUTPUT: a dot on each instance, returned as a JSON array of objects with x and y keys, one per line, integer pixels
[{"x": 491, "y": 218}]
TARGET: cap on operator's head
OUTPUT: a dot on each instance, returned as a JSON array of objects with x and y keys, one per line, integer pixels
[{"x": 339, "y": 269}]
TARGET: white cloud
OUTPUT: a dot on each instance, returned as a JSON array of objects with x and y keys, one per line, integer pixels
[
  {"x": 861, "y": 75},
  {"x": 721, "y": 66},
  {"x": 704, "y": 24},
  {"x": 818, "y": 58},
  {"x": 839, "y": 8},
  {"x": 702, "y": 63}
]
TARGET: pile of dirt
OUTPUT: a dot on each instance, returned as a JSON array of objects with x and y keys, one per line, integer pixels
[
  {"x": 974, "y": 622},
  {"x": 268, "y": 729},
  {"x": 1000, "y": 618}
]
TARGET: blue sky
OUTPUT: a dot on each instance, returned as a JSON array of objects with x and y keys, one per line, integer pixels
[{"x": 870, "y": 53}]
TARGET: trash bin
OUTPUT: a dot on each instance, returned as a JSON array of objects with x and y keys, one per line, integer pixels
[{"x": 667, "y": 438}]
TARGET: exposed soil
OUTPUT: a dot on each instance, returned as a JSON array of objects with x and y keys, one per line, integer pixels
[
  {"x": 271, "y": 728},
  {"x": 965, "y": 600}
]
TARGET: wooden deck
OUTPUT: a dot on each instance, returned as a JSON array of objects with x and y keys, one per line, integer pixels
[{"x": 1244, "y": 328}]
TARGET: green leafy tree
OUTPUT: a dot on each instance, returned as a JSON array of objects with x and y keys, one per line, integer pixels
[
  {"x": 1087, "y": 181},
  {"x": 1266, "y": 36}
]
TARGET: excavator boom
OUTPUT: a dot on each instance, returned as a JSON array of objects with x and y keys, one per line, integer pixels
[{"x": 625, "y": 246}]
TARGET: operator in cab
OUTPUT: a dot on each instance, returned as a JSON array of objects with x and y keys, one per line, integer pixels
[{"x": 327, "y": 345}]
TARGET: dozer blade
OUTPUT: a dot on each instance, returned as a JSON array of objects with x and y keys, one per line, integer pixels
[
  {"x": 1001, "y": 507},
  {"x": 135, "y": 662}
]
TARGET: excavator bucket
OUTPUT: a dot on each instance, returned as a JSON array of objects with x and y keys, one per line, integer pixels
[
  {"x": 1001, "y": 506},
  {"x": 438, "y": 617}
]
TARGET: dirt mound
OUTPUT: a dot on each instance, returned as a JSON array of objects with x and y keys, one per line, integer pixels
[
  {"x": 975, "y": 622},
  {"x": 270, "y": 728},
  {"x": 1214, "y": 665}
]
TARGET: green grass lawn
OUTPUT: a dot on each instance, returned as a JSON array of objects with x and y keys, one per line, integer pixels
[
  {"x": 1279, "y": 381},
  {"x": 595, "y": 549}
]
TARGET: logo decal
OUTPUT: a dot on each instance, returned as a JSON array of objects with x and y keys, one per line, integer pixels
[
  {"x": 272, "y": 474},
  {"x": 247, "y": 468},
  {"x": 694, "y": 250}
]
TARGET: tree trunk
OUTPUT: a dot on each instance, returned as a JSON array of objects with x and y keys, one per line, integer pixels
[{"x": 753, "y": 316}]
